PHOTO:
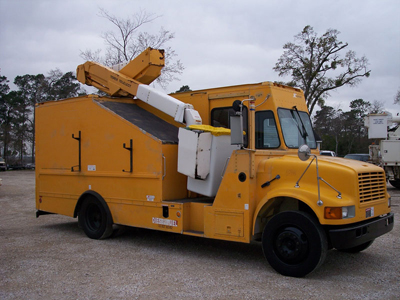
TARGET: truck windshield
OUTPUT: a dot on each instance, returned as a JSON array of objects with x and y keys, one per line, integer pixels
[{"x": 296, "y": 128}]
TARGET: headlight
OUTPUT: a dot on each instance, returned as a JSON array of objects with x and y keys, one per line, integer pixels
[
  {"x": 389, "y": 201},
  {"x": 344, "y": 212}
]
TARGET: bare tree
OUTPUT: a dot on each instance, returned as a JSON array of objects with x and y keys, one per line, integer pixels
[
  {"x": 311, "y": 59},
  {"x": 377, "y": 107},
  {"x": 127, "y": 42},
  {"x": 397, "y": 97}
]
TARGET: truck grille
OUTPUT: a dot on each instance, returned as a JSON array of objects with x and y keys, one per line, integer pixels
[{"x": 372, "y": 186}]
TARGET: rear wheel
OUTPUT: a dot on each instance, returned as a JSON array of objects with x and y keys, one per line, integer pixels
[
  {"x": 95, "y": 219},
  {"x": 294, "y": 243}
]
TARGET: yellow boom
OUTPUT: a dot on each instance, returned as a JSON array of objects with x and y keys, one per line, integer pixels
[
  {"x": 133, "y": 79},
  {"x": 144, "y": 69}
]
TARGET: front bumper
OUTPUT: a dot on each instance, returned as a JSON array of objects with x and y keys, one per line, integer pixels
[{"x": 356, "y": 234}]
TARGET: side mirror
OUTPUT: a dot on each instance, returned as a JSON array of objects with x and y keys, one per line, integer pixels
[
  {"x": 304, "y": 152},
  {"x": 236, "y": 124},
  {"x": 236, "y": 130}
]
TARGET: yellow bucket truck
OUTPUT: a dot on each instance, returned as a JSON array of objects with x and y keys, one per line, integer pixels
[{"x": 237, "y": 163}]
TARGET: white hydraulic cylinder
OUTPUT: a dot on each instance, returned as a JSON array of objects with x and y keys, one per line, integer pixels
[
  {"x": 180, "y": 111},
  {"x": 396, "y": 119}
]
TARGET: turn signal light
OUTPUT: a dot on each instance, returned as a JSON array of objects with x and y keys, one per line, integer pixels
[
  {"x": 344, "y": 212},
  {"x": 333, "y": 212}
]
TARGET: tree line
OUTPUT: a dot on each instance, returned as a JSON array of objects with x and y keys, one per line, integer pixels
[
  {"x": 344, "y": 131},
  {"x": 17, "y": 109}
]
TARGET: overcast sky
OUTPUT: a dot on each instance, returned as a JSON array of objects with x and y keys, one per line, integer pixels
[{"x": 219, "y": 42}]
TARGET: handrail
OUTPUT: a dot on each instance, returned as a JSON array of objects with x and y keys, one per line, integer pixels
[
  {"x": 130, "y": 149},
  {"x": 79, "y": 139}
]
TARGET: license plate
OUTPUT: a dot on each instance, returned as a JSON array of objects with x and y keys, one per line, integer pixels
[{"x": 369, "y": 212}]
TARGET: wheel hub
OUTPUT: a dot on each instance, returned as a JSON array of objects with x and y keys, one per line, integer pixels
[
  {"x": 291, "y": 245},
  {"x": 93, "y": 217}
]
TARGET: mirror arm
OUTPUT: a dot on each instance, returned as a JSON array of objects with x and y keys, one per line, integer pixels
[
  {"x": 304, "y": 154},
  {"x": 297, "y": 183}
]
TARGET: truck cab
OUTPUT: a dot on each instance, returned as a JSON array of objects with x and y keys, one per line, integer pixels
[{"x": 266, "y": 186}]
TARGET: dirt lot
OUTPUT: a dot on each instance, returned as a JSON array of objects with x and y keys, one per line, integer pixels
[{"x": 51, "y": 258}]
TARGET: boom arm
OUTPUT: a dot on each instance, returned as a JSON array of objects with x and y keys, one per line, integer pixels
[{"x": 132, "y": 81}]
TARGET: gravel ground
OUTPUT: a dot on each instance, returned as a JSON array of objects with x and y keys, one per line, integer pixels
[{"x": 51, "y": 258}]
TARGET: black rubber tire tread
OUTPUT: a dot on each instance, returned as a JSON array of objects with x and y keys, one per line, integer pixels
[
  {"x": 395, "y": 183},
  {"x": 313, "y": 235},
  {"x": 94, "y": 218},
  {"x": 358, "y": 248}
]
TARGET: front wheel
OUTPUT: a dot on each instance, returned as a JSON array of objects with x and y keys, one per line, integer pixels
[
  {"x": 294, "y": 243},
  {"x": 95, "y": 219}
]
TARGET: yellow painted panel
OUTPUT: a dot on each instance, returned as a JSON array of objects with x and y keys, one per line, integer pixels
[
  {"x": 227, "y": 223},
  {"x": 146, "y": 215},
  {"x": 57, "y": 204},
  {"x": 193, "y": 216},
  {"x": 174, "y": 183}
]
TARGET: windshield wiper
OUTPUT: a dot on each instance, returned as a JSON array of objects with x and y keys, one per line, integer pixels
[{"x": 303, "y": 132}]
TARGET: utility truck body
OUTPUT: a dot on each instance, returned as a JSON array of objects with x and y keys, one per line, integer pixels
[
  {"x": 130, "y": 162},
  {"x": 386, "y": 154}
]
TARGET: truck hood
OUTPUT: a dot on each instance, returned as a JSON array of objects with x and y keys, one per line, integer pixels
[
  {"x": 325, "y": 162},
  {"x": 358, "y": 166},
  {"x": 343, "y": 174}
]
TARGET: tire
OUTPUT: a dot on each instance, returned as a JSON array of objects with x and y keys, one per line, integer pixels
[
  {"x": 358, "y": 248},
  {"x": 294, "y": 243},
  {"x": 95, "y": 219},
  {"x": 395, "y": 183}
]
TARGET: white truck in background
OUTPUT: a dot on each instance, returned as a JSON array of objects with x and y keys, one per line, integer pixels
[{"x": 386, "y": 154}]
